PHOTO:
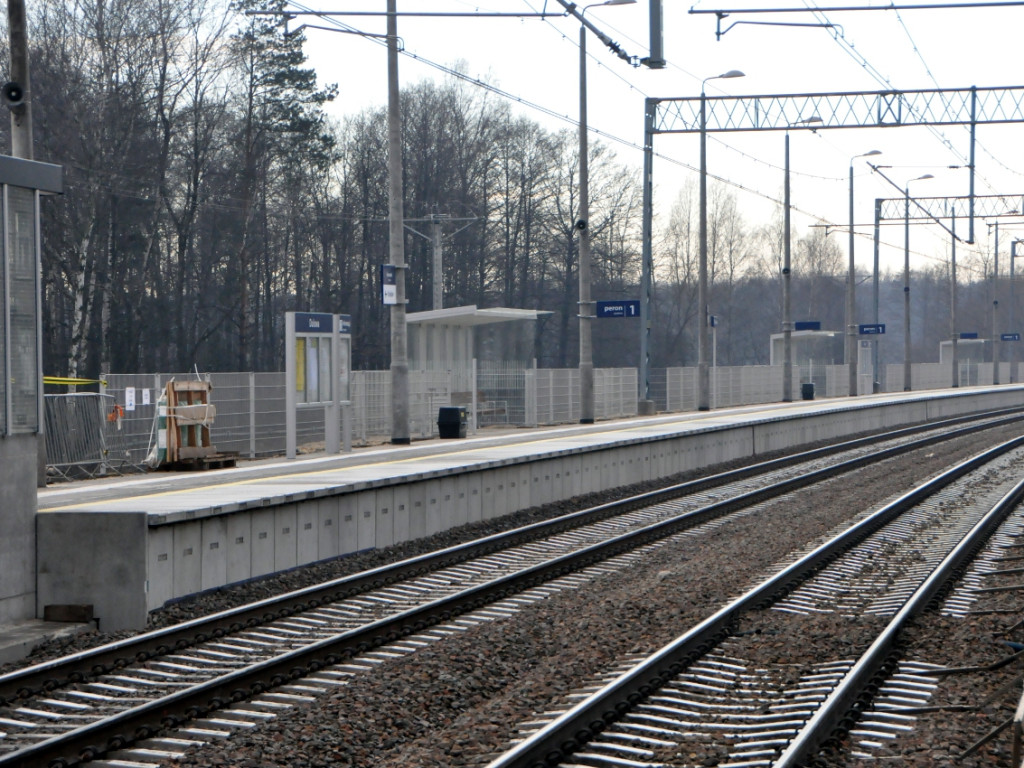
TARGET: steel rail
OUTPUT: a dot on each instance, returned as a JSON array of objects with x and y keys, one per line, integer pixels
[
  {"x": 115, "y": 732},
  {"x": 833, "y": 719},
  {"x": 84, "y": 665},
  {"x": 556, "y": 741}
]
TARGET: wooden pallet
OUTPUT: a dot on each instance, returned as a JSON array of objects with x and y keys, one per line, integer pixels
[{"x": 201, "y": 463}]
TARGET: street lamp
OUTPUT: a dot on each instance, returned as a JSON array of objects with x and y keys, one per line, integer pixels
[
  {"x": 703, "y": 342},
  {"x": 1013, "y": 346},
  {"x": 906, "y": 279},
  {"x": 787, "y": 305},
  {"x": 954, "y": 338},
  {"x": 851, "y": 328},
  {"x": 586, "y": 311},
  {"x": 995, "y": 302}
]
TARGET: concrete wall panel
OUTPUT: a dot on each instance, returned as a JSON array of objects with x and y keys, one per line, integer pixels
[
  {"x": 402, "y": 513},
  {"x": 327, "y": 526},
  {"x": 214, "y": 552},
  {"x": 385, "y": 517},
  {"x": 488, "y": 490},
  {"x": 473, "y": 489},
  {"x": 285, "y": 537},
  {"x": 503, "y": 479},
  {"x": 418, "y": 510},
  {"x": 348, "y": 524},
  {"x": 433, "y": 507},
  {"x": 239, "y": 544},
  {"x": 307, "y": 532},
  {"x": 521, "y": 489},
  {"x": 366, "y": 515},
  {"x": 159, "y": 566},
  {"x": 187, "y": 558},
  {"x": 262, "y": 542}
]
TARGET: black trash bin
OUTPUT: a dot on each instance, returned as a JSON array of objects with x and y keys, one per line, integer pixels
[
  {"x": 807, "y": 390},
  {"x": 451, "y": 422}
]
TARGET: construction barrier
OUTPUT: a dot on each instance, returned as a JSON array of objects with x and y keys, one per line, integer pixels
[{"x": 84, "y": 436}]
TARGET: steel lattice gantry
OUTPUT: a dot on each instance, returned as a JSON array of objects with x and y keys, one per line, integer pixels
[
  {"x": 938, "y": 208},
  {"x": 855, "y": 109},
  {"x": 779, "y": 112}
]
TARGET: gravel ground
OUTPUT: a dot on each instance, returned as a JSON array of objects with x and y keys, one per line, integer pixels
[{"x": 456, "y": 703}]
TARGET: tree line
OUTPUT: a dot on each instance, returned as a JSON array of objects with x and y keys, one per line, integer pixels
[{"x": 207, "y": 192}]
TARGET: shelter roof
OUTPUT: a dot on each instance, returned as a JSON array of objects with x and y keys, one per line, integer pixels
[{"x": 472, "y": 315}]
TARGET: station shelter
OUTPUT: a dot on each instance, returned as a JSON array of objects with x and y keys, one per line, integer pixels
[{"x": 479, "y": 355}]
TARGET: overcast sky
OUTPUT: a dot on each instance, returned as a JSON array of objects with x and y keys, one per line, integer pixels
[{"x": 536, "y": 62}]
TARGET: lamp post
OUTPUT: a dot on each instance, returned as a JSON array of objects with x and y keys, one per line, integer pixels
[
  {"x": 906, "y": 279},
  {"x": 954, "y": 338},
  {"x": 396, "y": 244},
  {"x": 995, "y": 302},
  {"x": 787, "y": 303},
  {"x": 1013, "y": 306},
  {"x": 876, "y": 384},
  {"x": 586, "y": 305},
  {"x": 703, "y": 342},
  {"x": 851, "y": 328}
]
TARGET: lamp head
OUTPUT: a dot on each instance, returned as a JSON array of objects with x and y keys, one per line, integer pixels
[{"x": 606, "y": 2}]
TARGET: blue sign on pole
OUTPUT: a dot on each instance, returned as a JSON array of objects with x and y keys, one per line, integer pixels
[
  {"x": 807, "y": 325},
  {"x": 1010, "y": 337},
  {"x": 871, "y": 329},
  {"x": 344, "y": 323},
  {"x": 625, "y": 308},
  {"x": 969, "y": 335},
  {"x": 314, "y": 322}
]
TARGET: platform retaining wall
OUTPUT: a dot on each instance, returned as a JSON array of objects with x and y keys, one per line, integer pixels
[{"x": 128, "y": 563}]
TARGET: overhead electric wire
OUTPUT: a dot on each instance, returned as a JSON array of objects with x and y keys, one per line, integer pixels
[{"x": 839, "y": 36}]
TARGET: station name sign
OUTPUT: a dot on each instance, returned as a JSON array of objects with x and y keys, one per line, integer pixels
[
  {"x": 625, "y": 308},
  {"x": 314, "y": 322}
]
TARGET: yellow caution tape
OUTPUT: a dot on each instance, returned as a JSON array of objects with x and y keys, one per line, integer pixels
[{"x": 62, "y": 381}]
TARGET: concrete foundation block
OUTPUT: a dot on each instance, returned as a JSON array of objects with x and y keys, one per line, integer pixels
[{"x": 96, "y": 558}]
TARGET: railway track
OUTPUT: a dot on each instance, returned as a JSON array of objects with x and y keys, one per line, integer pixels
[
  {"x": 97, "y": 703},
  {"x": 717, "y": 684}
]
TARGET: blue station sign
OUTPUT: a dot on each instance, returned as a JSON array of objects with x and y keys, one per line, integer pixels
[
  {"x": 1010, "y": 337},
  {"x": 314, "y": 322},
  {"x": 623, "y": 308},
  {"x": 807, "y": 325},
  {"x": 871, "y": 329},
  {"x": 969, "y": 335}
]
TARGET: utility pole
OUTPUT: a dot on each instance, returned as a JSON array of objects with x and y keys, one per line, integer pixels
[{"x": 396, "y": 248}]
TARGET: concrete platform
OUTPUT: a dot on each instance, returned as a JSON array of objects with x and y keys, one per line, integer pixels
[
  {"x": 130, "y": 545},
  {"x": 18, "y": 639}
]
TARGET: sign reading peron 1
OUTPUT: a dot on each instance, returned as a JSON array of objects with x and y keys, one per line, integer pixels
[{"x": 624, "y": 308}]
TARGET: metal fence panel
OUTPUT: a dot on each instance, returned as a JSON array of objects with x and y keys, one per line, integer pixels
[
  {"x": 615, "y": 392},
  {"x": 84, "y": 435}
]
